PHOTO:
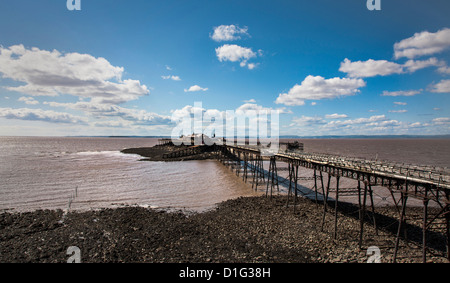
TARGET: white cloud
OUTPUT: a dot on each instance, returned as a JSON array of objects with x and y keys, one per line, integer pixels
[
  {"x": 423, "y": 43},
  {"x": 251, "y": 66},
  {"x": 51, "y": 73},
  {"x": 371, "y": 119},
  {"x": 195, "y": 88},
  {"x": 228, "y": 33},
  {"x": 259, "y": 108},
  {"x": 370, "y": 68},
  {"x": 414, "y": 65},
  {"x": 28, "y": 100},
  {"x": 444, "y": 69},
  {"x": 336, "y": 116},
  {"x": 101, "y": 111},
  {"x": 174, "y": 78},
  {"x": 441, "y": 121},
  {"x": 315, "y": 88},
  {"x": 235, "y": 53},
  {"x": 250, "y": 101},
  {"x": 306, "y": 121},
  {"x": 441, "y": 87},
  {"x": 400, "y": 103},
  {"x": 401, "y": 93},
  {"x": 398, "y": 111},
  {"x": 41, "y": 115}
]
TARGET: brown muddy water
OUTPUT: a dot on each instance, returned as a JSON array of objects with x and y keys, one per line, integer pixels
[{"x": 45, "y": 172}]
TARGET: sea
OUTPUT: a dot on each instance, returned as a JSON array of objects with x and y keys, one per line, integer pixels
[{"x": 85, "y": 173}]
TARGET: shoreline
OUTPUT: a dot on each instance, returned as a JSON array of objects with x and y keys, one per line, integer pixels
[
  {"x": 156, "y": 153},
  {"x": 242, "y": 230}
]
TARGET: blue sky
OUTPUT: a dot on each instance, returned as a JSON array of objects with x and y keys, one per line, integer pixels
[{"x": 127, "y": 67}]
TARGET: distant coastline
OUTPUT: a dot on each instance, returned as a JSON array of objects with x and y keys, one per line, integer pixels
[
  {"x": 281, "y": 137},
  {"x": 313, "y": 137}
]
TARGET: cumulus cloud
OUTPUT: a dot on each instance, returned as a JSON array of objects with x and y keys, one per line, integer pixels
[
  {"x": 101, "y": 110},
  {"x": 41, "y": 115},
  {"x": 370, "y": 68},
  {"x": 335, "y": 116},
  {"x": 414, "y": 65},
  {"x": 174, "y": 78},
  {"x": 253, "y": 106},
  {"x": 315, "y": 88},
  {"x": 401, "y": 93},
  {"x": 441, "y": 121},
  {"x": 423, "y": 43},
  {"x": 398, "y": 111},
  {"x": 441, "y": 87},
  {"x": 236, "y": 53},
  {"x": 379, "y": 124},
  {"x": 306, "y": 121},
  {"x": 28, "y": 100},
  {"x": 195, "y": 88},
  {"x": 228, "y": 33},
  {"x": 444, "y": 69},
  {"x": 51, "y": 73},
  {"x": 400, "y": 103}
]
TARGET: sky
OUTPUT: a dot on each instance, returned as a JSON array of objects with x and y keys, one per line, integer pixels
[{"x": 135, "y": 67}]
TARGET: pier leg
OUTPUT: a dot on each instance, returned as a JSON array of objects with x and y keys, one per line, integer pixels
[
  {"x": 295, "y": 187},
  {"x": 270, "y": 178},
  {"x": 424, "y": 229},
  {"x": 245, "y": 174},
  {"x": 447, "y": 232},
  {"x": 362, "y": 214},
  {"x": 260, "y": 171},
  {"x": 373, "y": 209},
  {"x": 325, "y": 201},
  {"x": 359, "y": 198},
  {"x": 315, "y": 185},
  {"x": 290, "y": 183},
  {"x": 400, "y": 224},
  {"x": 336, "y": 207},
  {"x": 276, "y": 173},
  {"x": 323, "y": 188}
]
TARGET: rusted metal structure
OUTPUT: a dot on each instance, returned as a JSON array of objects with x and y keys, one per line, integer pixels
[
  {"x": 425, "y": 183},
  {"x": 428, "y": 184}
]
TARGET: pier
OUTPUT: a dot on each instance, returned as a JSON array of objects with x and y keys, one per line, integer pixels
[{"x": 430, "y": 185}]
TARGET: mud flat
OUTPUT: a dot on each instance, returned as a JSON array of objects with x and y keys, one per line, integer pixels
[{"x": 242, "y": 230}]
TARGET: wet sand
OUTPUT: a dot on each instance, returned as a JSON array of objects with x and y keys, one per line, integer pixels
[{"x": 243, "y": 230}]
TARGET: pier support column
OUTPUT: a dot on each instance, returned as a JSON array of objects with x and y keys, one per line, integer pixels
[
  {"x": 401, "y": 222},
  {"x": 336, "y": 207},
  {"x": 293, "y": 183},
  {"x": 272, "y": 180},
  {"x": 315, "y": 185},
  {"x": 325, "y": 201},
  {"x": 424, "y": 229},
  {"x": 258, "y": 175}
]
